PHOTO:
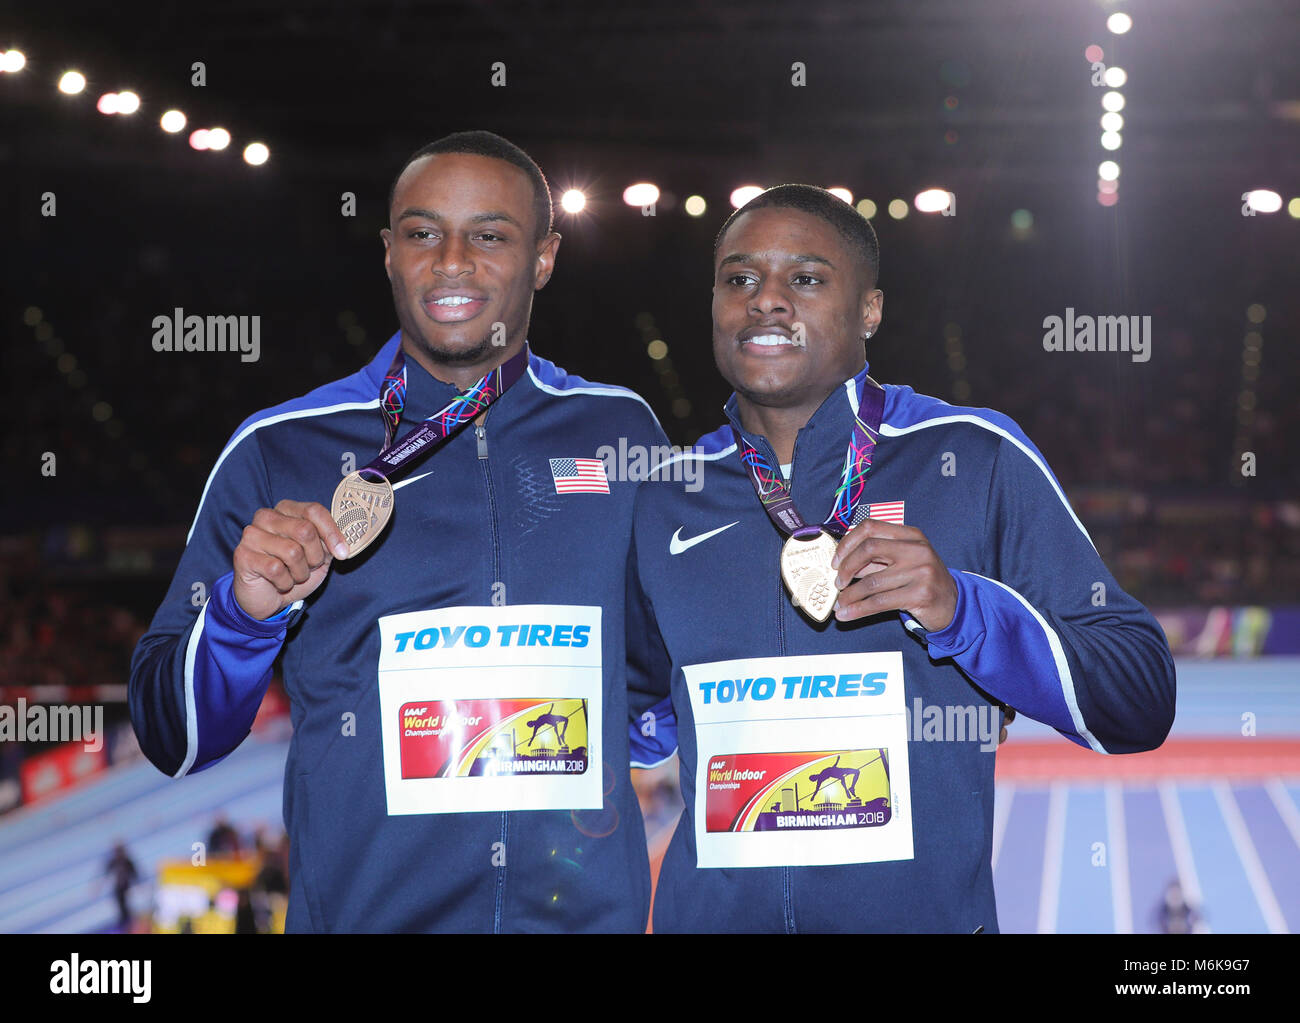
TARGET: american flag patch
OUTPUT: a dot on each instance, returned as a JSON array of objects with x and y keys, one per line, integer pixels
[
  {"x": 579, "y": 476},
  {"x": 885, "y": 511}
]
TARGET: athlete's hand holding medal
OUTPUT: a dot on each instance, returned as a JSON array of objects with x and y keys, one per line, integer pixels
[
  {"x": 285, "y": 553},
  {"x": 883, "y": 566}
]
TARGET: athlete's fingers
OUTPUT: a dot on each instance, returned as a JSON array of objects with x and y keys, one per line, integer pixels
[
  {"x": 881, "y": 551},
  {"x": 301, "y": 531},
  {"x": 279, "y": 522},
  {"x": 288, "y": 551},
  {"x": 878, "y": 592},
  {"x": 308, "y": 524},
  {"x": 898, "y": 598},
  {"x": 869, "y": 529},
  {"x": 318, "y": 515},
  {"x": 298, "y": 554},
  {"x": 252, "y": 560},
  {"x": 1009, "y": 715},
  {"x": 924, "y": 590}
]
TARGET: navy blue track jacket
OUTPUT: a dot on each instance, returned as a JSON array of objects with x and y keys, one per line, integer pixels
[
  {"x": 477, "y": 523},
  {"x": 1040, "y": 626}
]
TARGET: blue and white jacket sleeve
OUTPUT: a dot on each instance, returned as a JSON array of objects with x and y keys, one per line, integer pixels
[
  {"x": 199, "y": 673},
  {"x": 1049, "y": 631},
  {"x": 652, "y": 728}
]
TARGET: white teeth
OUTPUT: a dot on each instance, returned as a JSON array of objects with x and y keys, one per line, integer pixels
[
  {"x": 454, "y": 300},
  {"x": 769, "y": 340}
]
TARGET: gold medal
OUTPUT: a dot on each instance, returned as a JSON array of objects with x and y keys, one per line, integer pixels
[
  {"x": 361, "y": 509},
  {"x": 806, "y": 569}
]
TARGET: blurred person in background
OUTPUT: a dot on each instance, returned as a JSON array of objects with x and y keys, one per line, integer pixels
[
  {"x": 223, "y": 839},
  {"x": 122, "y": 872}
]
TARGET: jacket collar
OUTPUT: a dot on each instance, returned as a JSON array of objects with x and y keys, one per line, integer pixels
[
  {"x": 827, "y": 429},
  {"x": 425, "y": 393}
]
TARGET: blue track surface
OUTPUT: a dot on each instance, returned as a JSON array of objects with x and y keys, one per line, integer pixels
[
  {"x": 1066, "y": 864},
  {"x": 1233, "y": 846}
]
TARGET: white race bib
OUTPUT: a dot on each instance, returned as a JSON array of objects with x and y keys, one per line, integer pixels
[
  {"x": 802, "y": 760},
  {"x": 491, "y": 708}
]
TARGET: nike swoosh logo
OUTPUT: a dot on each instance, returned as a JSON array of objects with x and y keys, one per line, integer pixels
[
  {"x": 677, "y": 545},
  {"x": 412, "y": 479}
]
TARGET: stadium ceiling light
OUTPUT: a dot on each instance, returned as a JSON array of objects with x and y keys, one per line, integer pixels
[
  {"x": 641, "y": 194},
  {"x": 1264, "y": 200},
  {"x": 72, "y": 82},
  {"x": 932, "y": 200}
]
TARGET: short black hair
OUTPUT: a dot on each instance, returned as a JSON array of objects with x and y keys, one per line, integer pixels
[
  {"x": 485, "y": 143},
  {"x": 852, "y": 225}
]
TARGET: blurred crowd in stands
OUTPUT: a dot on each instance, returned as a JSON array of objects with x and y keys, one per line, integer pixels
[{"x": 64, "y": 636}]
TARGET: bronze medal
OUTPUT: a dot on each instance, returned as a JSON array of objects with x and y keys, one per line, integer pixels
[
  {"x": 806, "y": 569},
  {"x": 361, "y": 509},
  {"x": 806, "y": 564}
]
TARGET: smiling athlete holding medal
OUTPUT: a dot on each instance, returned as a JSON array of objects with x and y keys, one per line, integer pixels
[
  {"x": 452, "y": 628},
  {"x": 792, "y": 642}
]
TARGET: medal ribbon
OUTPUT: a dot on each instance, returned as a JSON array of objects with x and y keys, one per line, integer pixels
[
  {"x": 444, "y": 423},
  {"x": 775, "y": 495}
]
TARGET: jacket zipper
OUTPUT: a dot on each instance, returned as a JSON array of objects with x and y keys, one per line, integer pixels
[
  {"x": 480, "y": 436},
  {"x": 782, "y": 602}
]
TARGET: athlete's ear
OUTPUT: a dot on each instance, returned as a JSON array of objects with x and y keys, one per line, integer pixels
[
  {"x": 872, "y": 310},
  {"x": 546, "y": 250},
  {"x": 387, "y": 236}
]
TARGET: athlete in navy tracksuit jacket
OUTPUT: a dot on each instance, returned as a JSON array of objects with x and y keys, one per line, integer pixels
[
  {"x": 478, "y": 521},
  {"x": 1039, "y": 624}
]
